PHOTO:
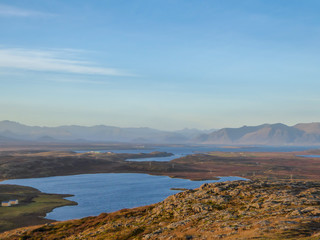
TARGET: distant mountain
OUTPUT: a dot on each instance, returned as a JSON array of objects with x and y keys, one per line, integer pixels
[
  {"x": 99, "y": 133},
  {"x": 310, "y": 128},
  {"x": 193, "y": 132},
  {"x": 266, "y": 134},
  {"x": 6, "y": 139}
]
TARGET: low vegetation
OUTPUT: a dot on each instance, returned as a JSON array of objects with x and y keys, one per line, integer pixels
[
  {"x": 27, "y": 164},
  {"x": 33, "y": 206},
  {"x": 281, "y": 202},
  {"x": 228, "y": 210}
]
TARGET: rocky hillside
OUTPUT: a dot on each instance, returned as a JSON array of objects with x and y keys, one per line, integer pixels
[{"x": 229, "y": 210}]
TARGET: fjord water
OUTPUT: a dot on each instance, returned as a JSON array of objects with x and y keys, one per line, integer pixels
[{"x": 108, "y": 192}]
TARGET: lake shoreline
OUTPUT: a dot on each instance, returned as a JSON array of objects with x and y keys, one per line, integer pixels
[
  {"x": 276, "y": 166},
  {"x": 228, "y": 210},
  {"x": 267, "y": 165},
  {"x": 109, "y": 191},
  {"x": 33, "y": 206},
  {"x": 40, "y": 214}
]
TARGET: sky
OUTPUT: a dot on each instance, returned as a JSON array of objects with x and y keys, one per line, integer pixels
[{"x": 165, "y": 64}]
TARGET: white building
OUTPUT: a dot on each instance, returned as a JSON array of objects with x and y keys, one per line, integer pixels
[
  {"x": 5, "y": 204},
  {"x": 14, "y": 202}
]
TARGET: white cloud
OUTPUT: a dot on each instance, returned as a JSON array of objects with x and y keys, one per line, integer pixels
[
  {"x": 7, "y": 11},
  {"x": 63, "y": 61}
]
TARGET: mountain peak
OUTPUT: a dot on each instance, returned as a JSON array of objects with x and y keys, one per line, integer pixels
[
  {"x": 265, "y": 134},
  {"x": 8, "y": 122}
]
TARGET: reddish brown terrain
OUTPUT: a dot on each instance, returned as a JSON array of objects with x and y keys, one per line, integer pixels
[
  {"x": 268, "y": 165},
  {"x": 229, "y": 210},
  {"x": 260, "y": 213}
]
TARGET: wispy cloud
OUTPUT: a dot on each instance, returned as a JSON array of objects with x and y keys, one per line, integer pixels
[
  {"x": 7, "y": 11},
  {"x": 63, "y": 60}
]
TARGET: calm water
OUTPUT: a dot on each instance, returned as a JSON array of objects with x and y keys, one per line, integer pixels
[
  {"x": 183, "y": 151},
  {"x": 108, "y": 192},
  {"x": 312, "y": 156},
  {"x": 97, "y": 193}
]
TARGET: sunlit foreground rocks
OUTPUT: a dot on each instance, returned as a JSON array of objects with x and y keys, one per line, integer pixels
[{"x": 229, "y": 210}]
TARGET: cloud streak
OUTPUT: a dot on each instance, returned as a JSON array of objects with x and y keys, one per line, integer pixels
[
  {"x": 9, "y": 11},
  {"x": 62, "y": 61}
]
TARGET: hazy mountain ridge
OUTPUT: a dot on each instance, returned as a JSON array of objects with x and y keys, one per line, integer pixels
[
  {"x": 312, "y": 128},
  {"x": 98, "y": 133},
  {"x": 265, "y": 134}
]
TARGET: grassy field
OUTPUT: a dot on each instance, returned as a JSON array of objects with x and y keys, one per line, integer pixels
[{"x": 33, "y": 206}]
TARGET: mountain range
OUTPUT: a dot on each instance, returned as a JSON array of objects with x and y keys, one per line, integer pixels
[
  {"x": 265, "y": 134},
  {"x": 13, "y": 131}
]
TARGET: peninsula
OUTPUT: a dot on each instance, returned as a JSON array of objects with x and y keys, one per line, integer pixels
[
  {"x": 265, "y": 165},
  {"x": 275, "y": 168},
  {"x": 229, "y": 210}
]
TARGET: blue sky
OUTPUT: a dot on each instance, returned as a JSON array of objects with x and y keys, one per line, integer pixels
[{"x": 166, "y": 64}]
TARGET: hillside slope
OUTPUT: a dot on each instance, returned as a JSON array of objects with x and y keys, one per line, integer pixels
[
  {"x": 229, "y": 210},
  {"x": 266, "y": 134},
  {"x": 311, "y": 128}
]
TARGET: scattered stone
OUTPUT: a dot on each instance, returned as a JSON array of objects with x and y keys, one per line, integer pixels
[{"x": 230, "y": 210}]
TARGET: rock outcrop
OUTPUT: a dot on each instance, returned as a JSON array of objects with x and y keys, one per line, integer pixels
[{"x": 227, "y": 210}]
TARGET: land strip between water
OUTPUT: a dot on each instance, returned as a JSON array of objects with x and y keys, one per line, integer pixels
[
  {"x": 29, "y": 164},
  {"x": 32, "y": 206},
  {"x": 227, "y": 210},
  {"x": 267, "y": 165}
]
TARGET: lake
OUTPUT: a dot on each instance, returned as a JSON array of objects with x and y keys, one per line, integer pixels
[
  {"x": 187, "y": 150},
  {"x": 311, "y": 156},
  {"x": 97, "y": 193},
  {"x": 108, "y": 192}
]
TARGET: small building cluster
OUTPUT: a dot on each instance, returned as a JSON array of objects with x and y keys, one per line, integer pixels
[{"x": 9, "y": 203}]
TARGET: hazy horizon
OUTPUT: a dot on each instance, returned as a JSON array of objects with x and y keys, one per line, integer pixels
[
  {"x": 169, "y": 130},
  {"x": 166, "y": 65}
]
